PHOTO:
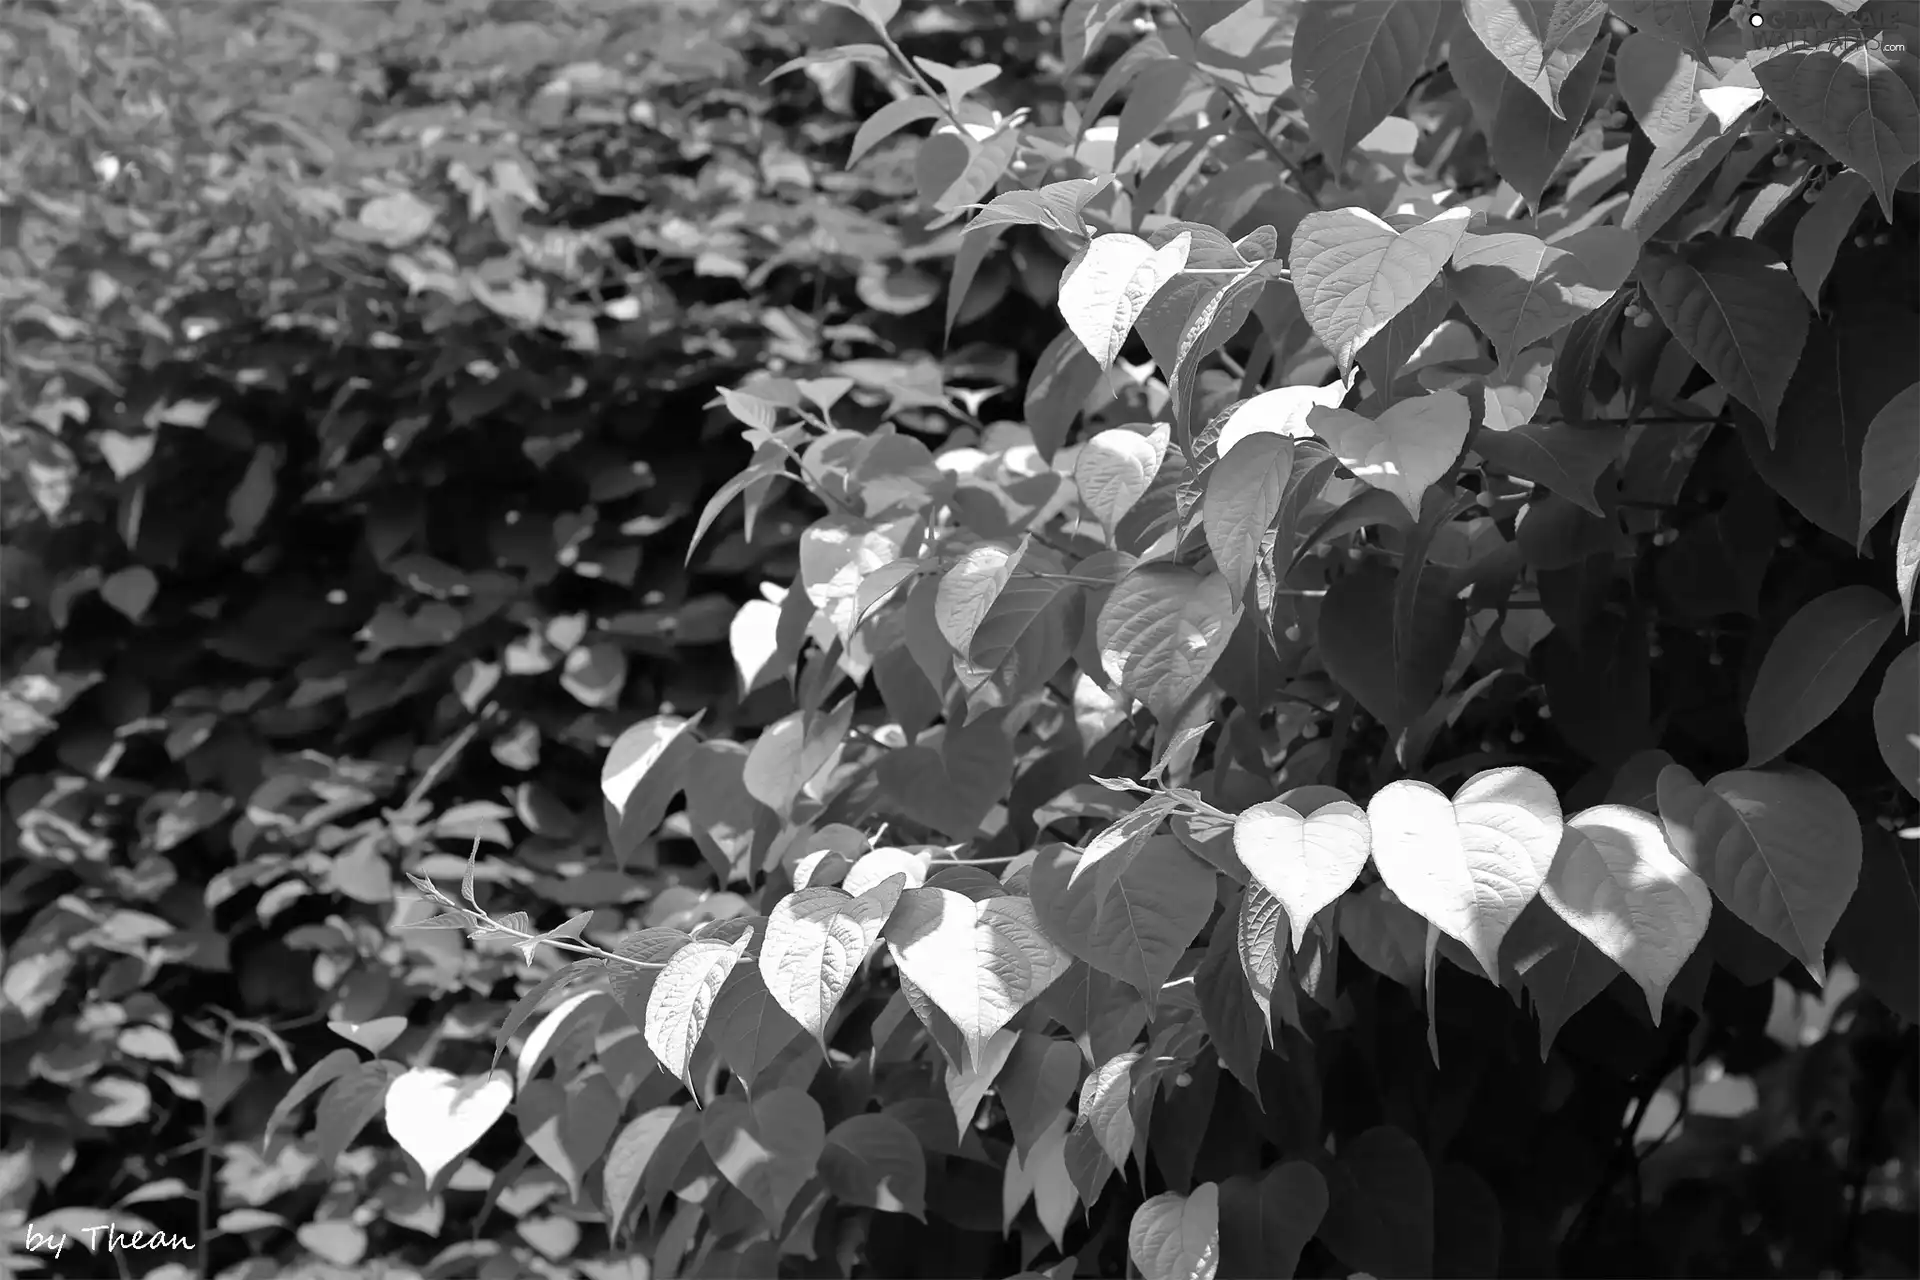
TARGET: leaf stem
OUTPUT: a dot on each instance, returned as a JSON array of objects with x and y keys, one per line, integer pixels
[{"x": 996, "y": 860}]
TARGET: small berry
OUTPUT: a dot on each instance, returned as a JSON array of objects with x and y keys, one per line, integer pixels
[
  {"x": 1546, "y": 712},
  {"x": 1631, "y": 310},
  {"x": 1786, "y": 540},
  {"x": 1643, "y": 321},
  {"x": 1182, "y": 1080},
  {"x": 1486, "y": 745},
  {"x": 1310, "y": 732},
  {"x": 1810, "y": 196},
  {"x": 1516, "y": 737},
  {"x": 1654, "y": 651},
  {"x": 1356, "y": 553},
  {"x": 1781, "y": 159},
  {"x": 1862, "y": 240},
  {"x": 1292, "y": 633},
  {"x": 1715, "y": 660},
  {"x": 1883, "y": 239}
]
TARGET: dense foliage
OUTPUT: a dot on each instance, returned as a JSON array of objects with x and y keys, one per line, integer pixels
[{"x": 1197, "y": 638}]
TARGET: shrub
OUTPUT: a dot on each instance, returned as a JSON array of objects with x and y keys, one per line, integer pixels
[{"x": 1390, "y": 764}]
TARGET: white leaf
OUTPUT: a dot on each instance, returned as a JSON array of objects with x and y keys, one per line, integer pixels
[
  {"x": 1104, "y": 292},
  {"x": 1282, "y": 411},
  {"x": 435, "y": 1116},
  {"x": 1404, "y": 450},
  {"x": 816, "y": 941},
  {"x": 1176, "y": 1237},
  {"x": 1620, "y": 885},
  {"x": 979, "y": 962},
  {"x": 683, "y": 997},
  {"x": 1469, "y": 865},
  {"x": 1116, "y": 468},
  {"x": 1305, "y": 861},
  {"x": 1354, "y": 273},
  {"x": 968, "y": 591}
]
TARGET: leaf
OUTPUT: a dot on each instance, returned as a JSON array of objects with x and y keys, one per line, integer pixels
[
  {"x": 568, "y": 1125},
  {"x": 1779, "y": 848},
  {"x": 889, "y": 120},
  {"x": 750, "y": 1028},
  {"x": 1621, "y": 887},
  {"x": 1212, "y": 327},
  {"x": 1812, "y": 665},
  {"x": 768, "y": 1148},
  {"x": 1853, "y": 99},
  {"x": 791, "y": 752},
  {"x": 1561, "y": 971},
  {"x": 131, "y": 591},
  {"x": 1106, "y": 1107},
  {"x": 1043, "y": 1178},
  {"x": 1379, "y": 1215},
  {"x": 1567, "y": 460},
  {"x": 1845, "y": 377},
  {"x": 1176, "y": 1237},
  {"x": 1661, "y": 85},
  {"x": 1896, "y": 719},
  {"x": 682, "y": 999},
  {"x": 1880, "y": 933},
  {"x": 1682, "y": 24},
  {"x": 979, "y": 962},
  {"x": 837, "y": 554},
  {"x": 1469, "y": 865},
  {"x": 1057, "y": 206},
  {"x": 871, "y": 869},
  {"x": 1238, "y": 1023},
  {"x": 1116, "y": 468},
  {"x": 1135, "y": 926},
  {"x": 874, "y": 1161},
  {"x": 1063, "y": 378},
  {"x": 1354, "y": 273},
  {"x": 1403, "y": 451},
  {"x": 436, "y": 1117},
  {"x": 1518, "y": 289},
  {"x": 529, "y": 1004},
  {"x": 1526, "y": 141},
  {"x": 1041, "y": 1075},
  {"x": 1889, "y": 458},
  {"x": 1353, "y": 62},
  {"x": 1160, "y": 632},
  {"x": 1281, "y": 411},
  {"x": 1731, "y": 304},
  {"x": 312, "y": 1081},
  {"x": 1263, "y": 958},
  {"x": 815, "y": 943},
  {"x": 1265, "y": 1224},
  {"x": 1305, "y": 860},
  {"x": 629, "y": 1157},
  {"x": 644, "y": 770},
  {"x": 1102, "y": 294},
  {"x": 1579, "y": 358},
  {"x": 1906, "y": 553},
  {"x": 1243, "y": 498},
  {"x": 1395, "y": 672},
  {"x": 583, "y": 1008},
  {"x": 1539, "y": 42},
  {"x": 1821, "y": 231},
  {"x": 954, "y": 788}
]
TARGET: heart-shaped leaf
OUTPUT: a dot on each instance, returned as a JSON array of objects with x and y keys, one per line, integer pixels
[
  {"x": 1305, "y": 860},
  {"x": 1519, "y": 289},
  {"x": 1852, "y": 97},
  {"x": 435, "y": 1116},
  {"x": 1161, "y": 630},
  {"x": 1136, "y": 925},
  {"x": 816, "y": 941},
  {"x": 953, "y": 788},
  {"x": 1116, "y": 468},
  {"x": 1780, "y": 848},
  {"x": 1403, "y": 451},
  {"x": 1354, "y": 273},
  {"x": 1470, "y": 864},
  {"x": 1176, "y": 1237},
  {"x": 1103, "y": 292},
  {"x": 979, "y": 962},
  {"x": 768, "y": 1148},
  {"x": 1620, "y": 885}
]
